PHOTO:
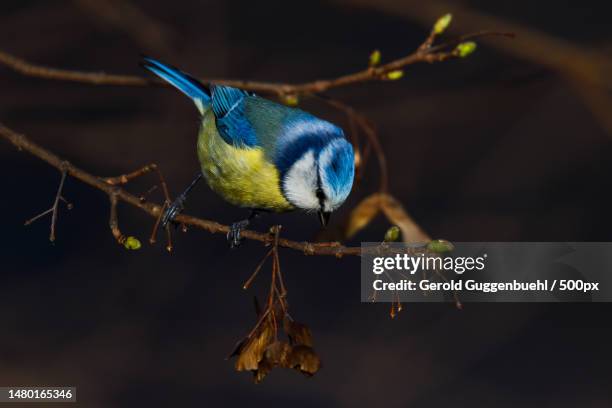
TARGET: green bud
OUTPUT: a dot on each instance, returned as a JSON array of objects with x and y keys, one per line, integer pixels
[
  {"x": 465, "y": 49},
  {"x": 291, "y": 100},
  {"x": 375, "y": 57},
  {"x": 442, "y": 23},
  {"x": 394, "y": 75},
  {"x": 392, "y": 234},
  {"x": 132, "y": 243},
  {"x": 440, "y": 246}
]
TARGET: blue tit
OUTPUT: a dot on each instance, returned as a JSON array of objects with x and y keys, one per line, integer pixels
[{"x": 262, "y": 155}]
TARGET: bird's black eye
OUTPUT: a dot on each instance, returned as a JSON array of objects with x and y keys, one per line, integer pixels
[{"x": 320, "y": 194}]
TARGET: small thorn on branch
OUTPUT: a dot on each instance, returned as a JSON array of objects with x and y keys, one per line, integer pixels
[
  {"x": 69, "y": 205},
  {"x": 143, "y": 197},
  {"x": 126, "y": 178}
]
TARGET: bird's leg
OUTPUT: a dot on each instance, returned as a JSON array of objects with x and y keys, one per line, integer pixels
[
  {"x": 233, "y": 236},
  {"x": 179, "y": 203}
]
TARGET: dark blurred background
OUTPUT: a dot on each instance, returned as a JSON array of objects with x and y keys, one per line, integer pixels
[{"x": 511, "y": 144}]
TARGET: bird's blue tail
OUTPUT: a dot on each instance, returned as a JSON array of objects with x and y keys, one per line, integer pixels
[{"x": 182, "y": 81}]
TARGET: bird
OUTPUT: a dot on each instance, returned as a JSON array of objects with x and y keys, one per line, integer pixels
[{"x": 262, "y": 155}]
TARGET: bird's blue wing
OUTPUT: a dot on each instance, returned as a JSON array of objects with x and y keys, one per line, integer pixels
[
  {"x": 284, "y": 133},
  {"x": 228, "y": 105}
]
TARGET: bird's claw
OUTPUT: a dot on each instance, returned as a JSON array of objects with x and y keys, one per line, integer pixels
[
  {"x": 179, "y": 204},
  {"x": 233, "y": 236},
  {"x": 172, "y": 211}
]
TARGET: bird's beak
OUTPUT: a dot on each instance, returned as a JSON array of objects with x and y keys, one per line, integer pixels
[{"x": 324, "y": 218}]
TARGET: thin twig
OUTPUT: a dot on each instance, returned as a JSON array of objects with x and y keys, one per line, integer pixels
[
  {"x": 248, "y": 282},
  {"x": 56, "y": 203},
  {"x": 153, "y": 237},
  {"x": 575, "y": 60},
  {"x": 55, "y": 206},
  {"x": 275, "y": 230},
  {"x": 126, "y": 178},
  {"x": 428, "y": 55},
  {"x": 113, "y": 221},
  {"x": 143, "y": 197},
  {"x": 37, "y": 217}
]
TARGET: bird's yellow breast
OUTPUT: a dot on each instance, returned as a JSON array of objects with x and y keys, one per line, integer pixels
[{"x": 242, "y": 176}]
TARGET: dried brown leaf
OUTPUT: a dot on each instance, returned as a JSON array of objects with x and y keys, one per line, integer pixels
[
  {"x": 362, "y": 215},
  {"x": 263, "y": 369},
  {"x": 298, "y": 333},
  {"x": 304, "y": 359},
  {"x": 251, "y": 352},
  {"x": 396, "y": 214},
  {"x": 277, "y": 353}
]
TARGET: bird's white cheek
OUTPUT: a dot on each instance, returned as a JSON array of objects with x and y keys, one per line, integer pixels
[{"x": 300, "y": 183}]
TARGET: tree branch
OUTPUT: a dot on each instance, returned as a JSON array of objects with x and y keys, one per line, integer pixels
[
  {"x": 116, "y": 194},
  {"x": 424, "y": 53},
  {"x": 533, "y": 45}
]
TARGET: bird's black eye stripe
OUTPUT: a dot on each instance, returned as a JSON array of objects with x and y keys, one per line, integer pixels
[
  {"x": 321, "y": 196},
  {"x": 320, "y": 193}
]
